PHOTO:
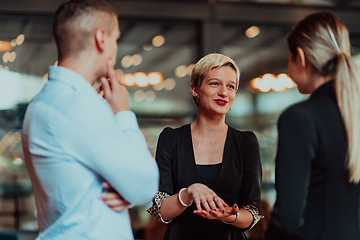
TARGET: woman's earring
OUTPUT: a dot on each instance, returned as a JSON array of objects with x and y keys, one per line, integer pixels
[{"x": 196, "y": 100}]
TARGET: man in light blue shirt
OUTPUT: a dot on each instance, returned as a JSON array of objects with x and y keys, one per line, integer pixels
[{"x": 74, "y": 140}]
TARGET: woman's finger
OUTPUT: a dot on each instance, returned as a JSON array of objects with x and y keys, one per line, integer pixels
[
  {"x": 201, "y": 213},
  {"x": 224, "y": 203},
  {"x": 219, "y": 203},
  {"x": 197, "y": 203},
  {"x": 235, "y": 209},
  {"x": 205, "y": 204},
  {"x": 208, "y": 215},
  {"x": 216, "y": 214},
  {"x": 211, "y": 202}
]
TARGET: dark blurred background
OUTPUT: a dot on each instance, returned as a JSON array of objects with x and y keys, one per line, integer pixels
[{"x": 163, "y": 37}]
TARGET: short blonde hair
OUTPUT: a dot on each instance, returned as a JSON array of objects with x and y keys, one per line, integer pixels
[{"x": 209, "y": 62}]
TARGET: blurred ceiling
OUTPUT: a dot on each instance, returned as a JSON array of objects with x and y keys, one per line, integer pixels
[{"x": 191, "y": 28}]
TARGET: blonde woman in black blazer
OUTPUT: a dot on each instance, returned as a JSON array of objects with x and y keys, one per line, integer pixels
[
  {"x": 210, "y": 173},
  {"x": 318, "y": 158}
]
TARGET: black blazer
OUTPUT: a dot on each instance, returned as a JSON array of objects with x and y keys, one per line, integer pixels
[
  {"x": 238, "y": 181},
  {"x": 315, "y": 200}
]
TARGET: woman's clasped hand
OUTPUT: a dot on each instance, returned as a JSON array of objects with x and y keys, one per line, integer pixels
[{"x": 211, "y": 206}]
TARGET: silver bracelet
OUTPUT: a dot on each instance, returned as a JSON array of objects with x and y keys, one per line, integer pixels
[
  {"x": 237, "y": 217},
  {"x": 181, "y": 201}
]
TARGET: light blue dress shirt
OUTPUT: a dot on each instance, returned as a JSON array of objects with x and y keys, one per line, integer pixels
[{"x": 72, "y": 142}]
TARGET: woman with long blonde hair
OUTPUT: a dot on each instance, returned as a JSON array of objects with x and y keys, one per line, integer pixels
[{"x": 318, "y": 158}]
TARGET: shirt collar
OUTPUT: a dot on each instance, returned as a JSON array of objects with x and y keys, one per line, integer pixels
[{"x": 69, "y": 77}]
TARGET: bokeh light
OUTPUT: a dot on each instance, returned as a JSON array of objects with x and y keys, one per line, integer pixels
[
  {"x": 126, "y": 61},
  {"x": 181, "y": 71},
  {"x": 136, "y": 59},
  {"x": 139, "y": 95},
  {"x": 169, "y": 84},
  {"x": 155, "y": 78},
  {"x": 12, "y": 56},
  {"x": 158, "y": 41},
  {"x": 20, "y": 39},
  {"x": 269, "y": 82},
  {"x": 150, "y": 96},
  {"x": 140, "y": 79},
  {"x": 147, "y": 47},
  {"x": 252, "y": 32}
]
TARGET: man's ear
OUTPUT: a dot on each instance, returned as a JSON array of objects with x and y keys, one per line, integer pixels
[
  {"x": 100, "y": 38},
  {"x": 301, "y": 56}
]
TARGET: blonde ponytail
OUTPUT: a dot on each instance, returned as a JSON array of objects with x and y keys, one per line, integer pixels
[
  {"x": 325, "y": 41},
  {"x": 347, "y": 85}
]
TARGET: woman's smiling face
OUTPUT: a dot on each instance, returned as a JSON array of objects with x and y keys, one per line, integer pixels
[{"x": 217, "y": 91}]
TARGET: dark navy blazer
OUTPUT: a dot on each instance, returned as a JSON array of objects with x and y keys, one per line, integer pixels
[{"x": 315, "y": 200}]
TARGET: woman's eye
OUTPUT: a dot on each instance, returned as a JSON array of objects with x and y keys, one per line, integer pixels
[
  {"x": 214, "y": 83},
  {"x": 231, "y": 86}
]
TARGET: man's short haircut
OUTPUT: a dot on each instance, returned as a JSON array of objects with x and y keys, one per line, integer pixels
[{"x": 75, "y": 22}]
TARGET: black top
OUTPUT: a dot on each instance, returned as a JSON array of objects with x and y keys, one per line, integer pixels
[
  {"x": 208, "y": 173},
  {"x": 238, "y": 181},
  {"x": 315, "y": 200}
]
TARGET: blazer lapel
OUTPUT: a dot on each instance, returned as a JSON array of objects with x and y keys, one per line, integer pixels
[
  {"x": 231, "y": 170},
  {"x": 186, "y": 166}
]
